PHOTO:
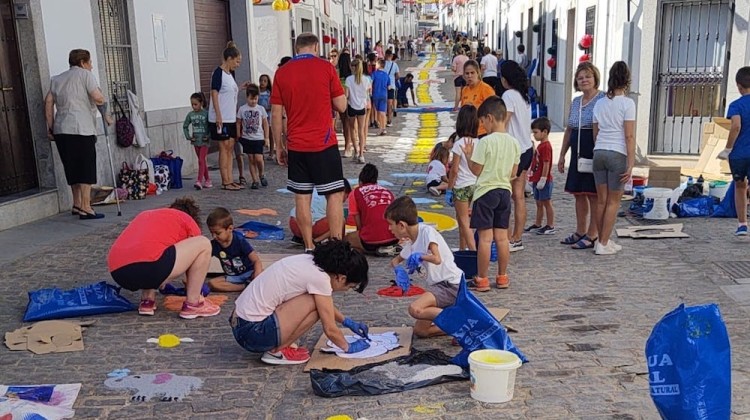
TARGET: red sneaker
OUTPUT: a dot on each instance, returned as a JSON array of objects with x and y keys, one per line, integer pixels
[
  {"x": 286, "y": 356},
  {"x": 147, "y": 307},
  {"x": 204, "y": 308},
  {"x": 502, "y": 282}
]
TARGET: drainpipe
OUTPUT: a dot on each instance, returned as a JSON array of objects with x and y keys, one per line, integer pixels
[{"x": 606, "y": 38}]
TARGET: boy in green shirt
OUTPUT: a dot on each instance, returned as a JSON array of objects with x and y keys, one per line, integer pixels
[{"x": 494, "y": 160}]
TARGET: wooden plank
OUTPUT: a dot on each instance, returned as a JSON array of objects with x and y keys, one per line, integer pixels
[{"x": 320, "y": 360}]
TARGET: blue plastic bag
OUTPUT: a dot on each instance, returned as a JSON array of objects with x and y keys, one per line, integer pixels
[
  {"x": 264, "y": 231},
  {"x": 174, "y": 163},
  {"x": 694, "y": 207},
  {"x": 727, "y": 206},
  {"x": 689, "y": 364},
  {"x": 91, "y": 299},
  {"x": 474, "y": 327}
]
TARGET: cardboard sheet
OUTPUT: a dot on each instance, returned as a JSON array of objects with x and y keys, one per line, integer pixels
[
  {"x": 48, "y": 337},
  {"x": 713, "y": 141},
  {"x": 319, "y": 360},
  {"x": 267, "y": 259},
  {"x": 653, "y": 232},
  {"x": 499, "y": 313}
]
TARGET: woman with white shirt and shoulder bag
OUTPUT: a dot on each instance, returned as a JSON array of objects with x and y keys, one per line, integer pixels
[{"x": 614, "y": 153}]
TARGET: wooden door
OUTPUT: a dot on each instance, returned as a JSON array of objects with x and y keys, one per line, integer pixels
[
  {"x": 17, "y": 161},
  {"x": 213, "y": 31}
]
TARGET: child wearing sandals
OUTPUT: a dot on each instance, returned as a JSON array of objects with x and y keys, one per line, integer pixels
[{"x": 461, "y": 180}]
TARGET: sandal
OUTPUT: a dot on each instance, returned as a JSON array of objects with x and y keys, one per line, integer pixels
[
  {"x": 243, "y": 181},
  {"x": 584, "y": 243},
  {"x": 572, "y": 239},
  {"x": 230, "y": 187}
]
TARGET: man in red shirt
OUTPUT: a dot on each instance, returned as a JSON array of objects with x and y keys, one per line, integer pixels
[
  {"x": 367, "y": 203},
  {"x": 309, "y": 89}
]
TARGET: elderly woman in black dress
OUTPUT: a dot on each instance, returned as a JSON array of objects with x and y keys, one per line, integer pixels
[
  {"x": 75, "y": 94},
  {"x": 579, "y": 138}
]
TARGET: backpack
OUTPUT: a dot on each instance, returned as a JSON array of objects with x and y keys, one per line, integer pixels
[{"x": 124, "y": 128}]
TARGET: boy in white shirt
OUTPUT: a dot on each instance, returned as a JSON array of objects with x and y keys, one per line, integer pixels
[
  {"x": 252, "y": 125},
  {"x": 426, "y": 251}
]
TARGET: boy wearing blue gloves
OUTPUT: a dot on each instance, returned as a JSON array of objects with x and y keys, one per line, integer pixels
[{"x": 426, "y": 252}]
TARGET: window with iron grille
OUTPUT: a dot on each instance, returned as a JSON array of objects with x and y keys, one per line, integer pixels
[{"x": 118, "y": 58}]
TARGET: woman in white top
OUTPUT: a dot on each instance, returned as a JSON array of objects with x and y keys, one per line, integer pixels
[
  {"x": 489, "y": 69},
  {"x": 461, "y": 180},
  {"x": 518, "y": 121},
  {"x": 614, "y": 153},
  {"x": 358, "y": 88},
  {"x": 288, "y": 298},
  {"x": 75, "y": 94},
  {"x": 223, "y": 108}
]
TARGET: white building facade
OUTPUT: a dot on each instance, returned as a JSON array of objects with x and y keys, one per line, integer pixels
[
  {"x": 163, "y": 51},
  {"x": 683, "y": 55}
]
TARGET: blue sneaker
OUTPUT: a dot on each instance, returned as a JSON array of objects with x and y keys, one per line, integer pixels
[{"x": 741, "y": 231}]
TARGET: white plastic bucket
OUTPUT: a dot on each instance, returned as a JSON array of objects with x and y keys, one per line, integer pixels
[
  {"x": 658, "y": 201},
  {"x": 493, "y": 375},
  {"x": 718, "y": 190}
]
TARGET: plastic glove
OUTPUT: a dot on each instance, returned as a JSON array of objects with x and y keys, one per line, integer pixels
[
  {"x": 359, "y": 328},
  {"x": 449, "y": 198},
  {"x": 402, "y": 279},
  {"x": 724, "y": 154},
  {"x": 412, "y": 264},
  {"x": 541, "y": 184},
  {"x": 358, "y": 346}
]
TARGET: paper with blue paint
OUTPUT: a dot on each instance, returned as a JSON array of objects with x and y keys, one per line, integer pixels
[{"x": 264, "y": 231}]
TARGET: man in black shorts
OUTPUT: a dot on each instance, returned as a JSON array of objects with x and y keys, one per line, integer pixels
[{"x": 308, "y": 88}]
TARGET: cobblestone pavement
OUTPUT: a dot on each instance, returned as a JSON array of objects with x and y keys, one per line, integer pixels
[{"x": 582, "y": 320}]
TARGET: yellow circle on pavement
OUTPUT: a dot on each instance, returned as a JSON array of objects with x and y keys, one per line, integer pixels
[{"x": 442, "y": 222}]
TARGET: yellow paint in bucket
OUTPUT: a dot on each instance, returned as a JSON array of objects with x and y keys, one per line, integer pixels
[{"x": 493, "y": 375}]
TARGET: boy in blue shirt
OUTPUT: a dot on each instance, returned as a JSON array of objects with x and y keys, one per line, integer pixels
[
  {"x": 403, "y": 85},
  {"x": 738, "y": 147},
  {"x": 380, "y": 82},
  {"x": 240, "y": 262}
]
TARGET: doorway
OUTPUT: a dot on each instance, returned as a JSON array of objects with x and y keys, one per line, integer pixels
[
  {"x": 213, "y": 31},
  {"x": 17, "y": 161}
]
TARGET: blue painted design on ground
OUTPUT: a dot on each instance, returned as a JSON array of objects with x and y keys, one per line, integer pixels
[
  {"x": 421, "y": 200},
  {"x": 409, "y": 175}
]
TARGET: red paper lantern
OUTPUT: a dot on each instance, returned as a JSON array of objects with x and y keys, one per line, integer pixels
[
  {"x": 587, "y": 41},
  {"x": 326, "y": 39},
  {"x": 334, "y": 41},
  {"x": 552, "y": 62},
  {"x": 584, "y": 58}
]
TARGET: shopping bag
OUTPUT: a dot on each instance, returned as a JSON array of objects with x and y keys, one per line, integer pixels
[
  {"x": 141, "y": 158},
  {"x": 174, "y": 163},
  {"x": 473, "y": 327},
  {"x": 161, "y": 177},
  {"x": 92, "y": 299},
  {"x": 134, "y": 181},
  {"x": 694, "y": 207},
  {"x": 689, "y": 364}
]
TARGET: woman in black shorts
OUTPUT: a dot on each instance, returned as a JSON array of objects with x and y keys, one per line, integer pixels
[{"x": 161, "y": 245}]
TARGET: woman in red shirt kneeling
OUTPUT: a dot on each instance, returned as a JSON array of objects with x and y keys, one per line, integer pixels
[{"x": 158, "y": 246}]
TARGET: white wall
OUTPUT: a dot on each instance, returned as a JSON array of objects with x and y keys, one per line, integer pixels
[
  {"x": 167, "y": 84},
  {"x": 67, "y": 25},
  {"x": 272, "y": 39}
]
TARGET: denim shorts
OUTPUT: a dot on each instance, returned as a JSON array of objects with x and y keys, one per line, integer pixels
[
  {"x": 243, "y": 278},
  {"x": 740, "y": 169},
  {"x": 545, "y": 193},
  {"x": 256, "y": 337}
]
